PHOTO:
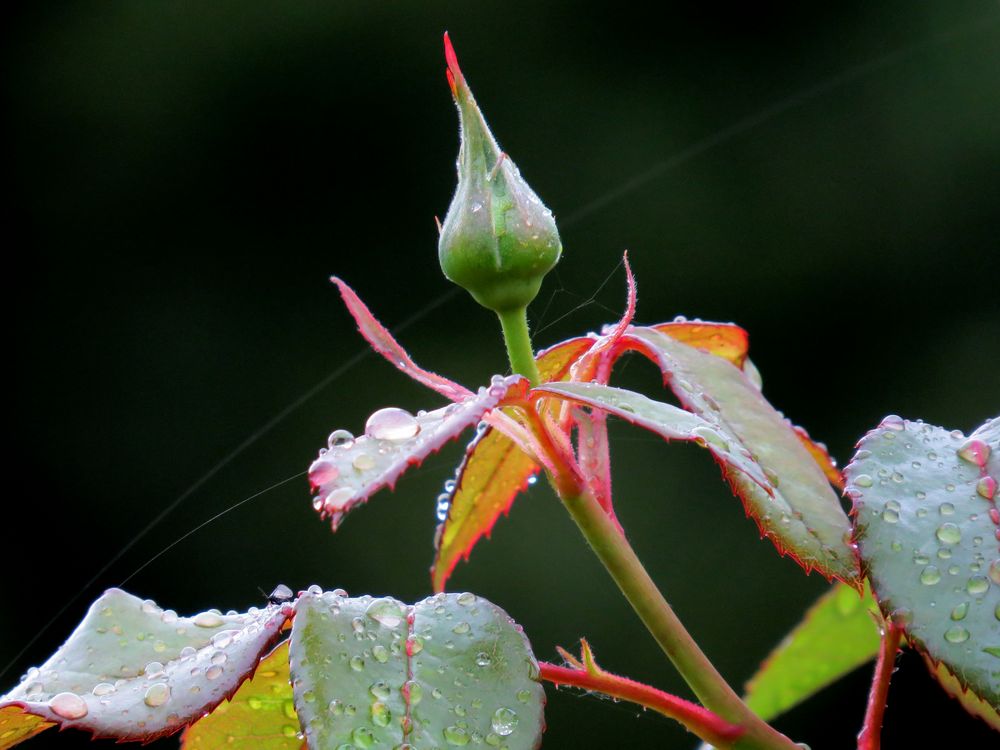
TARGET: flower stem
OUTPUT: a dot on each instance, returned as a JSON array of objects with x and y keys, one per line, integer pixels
[
  {"x": 871, "y": 731},
  {"x": 620, "y": 560},
  {"x": 518, "y": 339},
  {"x": 696, "y": 719}
]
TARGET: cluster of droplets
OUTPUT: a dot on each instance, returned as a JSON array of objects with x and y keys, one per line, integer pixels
[
  {"x": 387, "y": 619},
  {"x": 935, "y": 566},
  {"x": 152, "y": 682}
]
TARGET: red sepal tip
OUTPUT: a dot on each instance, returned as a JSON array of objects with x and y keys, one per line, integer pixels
[{"x": 454, "y": 72}]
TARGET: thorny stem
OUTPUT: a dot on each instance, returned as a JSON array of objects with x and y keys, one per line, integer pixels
[
  {"x": 518, "y": 340},
  {"x": 871, "y": 730},
  {"x": 696, "y": 719},
  {"x": 620, "y": 560}
]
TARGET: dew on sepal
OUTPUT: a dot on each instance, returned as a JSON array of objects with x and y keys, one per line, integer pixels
[{"x": 392, "y": 424}]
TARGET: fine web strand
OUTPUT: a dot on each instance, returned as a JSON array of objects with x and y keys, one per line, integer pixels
[
  {"x": 235, "y": 453},
  {"x": 206, "y": 522},
  {"x": 642, "y": 179}
]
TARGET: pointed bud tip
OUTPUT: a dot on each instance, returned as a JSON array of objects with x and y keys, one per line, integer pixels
[{"x": 454, "y": 71}]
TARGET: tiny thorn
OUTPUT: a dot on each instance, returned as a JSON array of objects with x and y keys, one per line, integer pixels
[
  {"x": 496, "y": 167},
  {"x": 438, "y": 222},
  {"x": 569, "y": 658}
]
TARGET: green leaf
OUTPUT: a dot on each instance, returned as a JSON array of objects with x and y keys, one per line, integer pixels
[
  {"x": 260, "y": 716},
  {"x": 803, "y": 517},
  {"x": 132, "y": 671},
  {"x": 837, "y": 634},
  {"x": 926, "y": 526},
  {"x": 665, "y": 420},
  {"x": 450, "y": 670}
]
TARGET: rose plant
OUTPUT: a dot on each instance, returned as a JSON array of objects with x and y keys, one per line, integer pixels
[{"x": 915, "y": 563}]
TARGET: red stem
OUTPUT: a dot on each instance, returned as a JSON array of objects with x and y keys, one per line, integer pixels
[
  {"x": 702, "y": 722},
  {"x": 871, "y": 731}
]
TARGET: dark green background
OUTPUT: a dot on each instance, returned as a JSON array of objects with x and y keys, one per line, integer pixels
[{"x": 186, "y": 175}]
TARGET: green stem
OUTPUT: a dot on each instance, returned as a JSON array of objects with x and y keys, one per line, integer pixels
[
  {"x": 620, "y": 560},
  {"x": 515, "y": 335}
]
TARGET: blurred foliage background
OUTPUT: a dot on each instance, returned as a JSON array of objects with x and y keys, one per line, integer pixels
[{"x": 186, "y": 175}]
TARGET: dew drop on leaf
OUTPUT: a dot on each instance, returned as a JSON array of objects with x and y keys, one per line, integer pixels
[
  {"x": 157, "y": 695},
  {"x": 68, "y": 706},
  {"x": 392, "y": 424}
]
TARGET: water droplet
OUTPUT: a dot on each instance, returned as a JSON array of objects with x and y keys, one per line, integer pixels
[
  {"x": 68, "y": 706},
  {"x": 956, "y": 634},
  {"x": 949, "y": 533},
  {"x": 363, "y": 737},
  {"x": 157, "y": 695},
  {"x": 381, "y": 715},
  {"x": 414, "y": 645},
  {"x": 357, "y": 663},
  {"x": 946, "y": 509},
  {"x": 322, "y": 473},
  {"x": 466, "y": 599},
  {"x": 711, "y": 437},
  {"x": 890, "y": 516},
  {"x": 392, "y": 424},
  {"x": 224, "y": 638},
  {"x": 102, "y": 688},
  {"x": 995, "y": 572},
  {"x": 930, "y": 575},
  {"x": 897, "y": 477},
  {"x": 986, "y": 487},
  {"x": 483, "y": 659},
  {"x": 214, "y": 672},
  {"x": 977, "y": 585},
  {"x": 412, "y": 692},
  {"x": 975, "y": 451},
  {"x": 461, "y": 629},
  {"x": 380, "y": 689},
  {"x": 524, "y": 695},
  {"x": 153, "y": 669},
  {"x": 387, "y": 612},
  {"x": 340, "y": 439},
  {"x": 959, "y": 612},
  {"x": 380, "y": 653},
  {"x": 893, "y": 422},
  {"x": 863, "y": 480},
  {"x": 208, "y": 620},
  {"x": 364, "y": 462},
  {"x": 455, "y": 735},
  {"x": 504, "y": 721}
]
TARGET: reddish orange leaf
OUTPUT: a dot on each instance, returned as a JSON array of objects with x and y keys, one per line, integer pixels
[
  {"x": 493, "y": 473},
  {"x": 970, "y": 701},
  {"x": 822, "y": 457},
  {"x": 16, "y": 726},
  {"x": 725, "y": 340},
  {"x": 260, "y": 716}
]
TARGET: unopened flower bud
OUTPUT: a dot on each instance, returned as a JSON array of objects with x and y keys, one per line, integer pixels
[{"x": 498, "y": 239}]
